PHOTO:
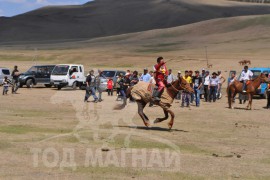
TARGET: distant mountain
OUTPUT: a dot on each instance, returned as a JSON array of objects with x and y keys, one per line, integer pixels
[{"x": 101, "y": 18}]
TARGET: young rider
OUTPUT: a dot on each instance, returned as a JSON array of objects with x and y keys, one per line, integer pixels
[{"x": 161, "y": 74}]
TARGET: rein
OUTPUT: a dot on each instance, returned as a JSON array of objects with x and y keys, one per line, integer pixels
[{"x": 177, "y": 90}]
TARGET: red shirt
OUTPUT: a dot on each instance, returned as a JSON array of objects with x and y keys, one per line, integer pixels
[
  {"x": 110, "y": 84},
  {"x": 161, "y": 71}
]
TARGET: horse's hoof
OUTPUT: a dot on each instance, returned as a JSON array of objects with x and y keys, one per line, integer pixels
[
  {"x": 147, "y": 124},
  {"x": 170, "y": 126}
]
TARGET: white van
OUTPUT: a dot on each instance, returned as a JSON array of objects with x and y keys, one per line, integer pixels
[
  {"x": 4, "y": 72},
  {"x": 68, "y": 75}
]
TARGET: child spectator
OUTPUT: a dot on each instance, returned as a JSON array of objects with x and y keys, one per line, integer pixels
[
  {"x": 6, "y": 82},
  {"x": 110, "y": 85}
]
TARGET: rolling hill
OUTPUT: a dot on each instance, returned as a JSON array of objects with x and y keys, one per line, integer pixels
[{"x": 102, "y": 18}]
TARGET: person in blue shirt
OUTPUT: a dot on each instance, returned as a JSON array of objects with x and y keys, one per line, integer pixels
[{"x": 145, "y": 76}]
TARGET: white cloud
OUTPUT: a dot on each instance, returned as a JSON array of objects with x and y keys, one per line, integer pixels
[{"x": 42, "y": 2}]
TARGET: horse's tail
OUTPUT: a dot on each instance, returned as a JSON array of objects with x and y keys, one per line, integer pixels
[{"x": 123, "y": 105}]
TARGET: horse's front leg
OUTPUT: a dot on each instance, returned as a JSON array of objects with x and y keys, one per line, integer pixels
[
  {"x": 170, "y": 124},
  {"x": 158, "y": 120}
]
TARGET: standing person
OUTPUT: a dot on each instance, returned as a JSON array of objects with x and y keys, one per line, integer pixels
[
  {"x": 152, "y": 82},
  {"x": 186, "y": 94},
  {"x": 15, "y": 79},
  {"x": 117, "y": 84},
  {"x": 110, "y": 85},
  {"x": 161, "y": 73},
  {"x": 178, "y": 96},
  {"x": 134, "y": 79},
  {"x": 145, "y": 77},
  {"x": 90, "y": 87},
  {"x": 191, "y": 85},
  {"x": 245, "y": 76},
  {"x": 203, "y": 77},
  {"x": 206, "y": 85},
  {"x": 170, "y": 77},
  {"x": 197, "y": 84},
  {"x": 6, "y": 82},
  {"x": 232, "y": 78},
  {"x": 98, "y": 84},
  {"x": 124, "y": 83},
  {"x": 221, "y": 80},
  {"x": 214, "y": 85}
]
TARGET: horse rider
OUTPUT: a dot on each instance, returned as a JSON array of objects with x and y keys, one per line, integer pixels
[
  {"x": 161, "y": 76},
  {"x": 245, "y": 76},
  {"x": 268, "y": 94}
]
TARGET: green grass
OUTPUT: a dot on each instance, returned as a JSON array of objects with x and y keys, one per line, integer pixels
[
  {"x": 24, "y": 129},
  {"x": 5, "y": 145},
  {"x": 24, "y": 58},
  {"x": 257, "y": 21},
  {"x": 115, "y": 172}
]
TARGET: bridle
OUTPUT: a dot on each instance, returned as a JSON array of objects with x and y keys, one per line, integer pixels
[{"x": 177, "y": 90}]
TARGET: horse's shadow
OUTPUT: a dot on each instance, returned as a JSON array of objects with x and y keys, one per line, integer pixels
[
  {"x": 243, "y": 108},
  {"x": 153, "y": 128}
]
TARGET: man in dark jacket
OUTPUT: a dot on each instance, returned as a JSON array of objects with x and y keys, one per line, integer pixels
[
  {"x": 15, "y": 79},
  {"x": 90, "y": 87}
]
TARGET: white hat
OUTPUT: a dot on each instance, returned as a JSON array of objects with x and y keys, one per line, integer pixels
[
  {"x": 179, "y": 72},
  {"x": 127, "y": 74}
]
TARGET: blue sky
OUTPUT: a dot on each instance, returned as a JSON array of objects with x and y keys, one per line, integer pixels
[{"x": 14, "y": 7}]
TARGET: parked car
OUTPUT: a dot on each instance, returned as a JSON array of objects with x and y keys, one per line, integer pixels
[
  {"x": 68, "y": 75},
  {"x": 256, "y": 72},
  {"x": 4, "y": 72},
  {"x": 113, "y": 74},
  {"x": 39, "y": 74}
]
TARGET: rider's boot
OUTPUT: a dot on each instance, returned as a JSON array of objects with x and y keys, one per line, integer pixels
[
  {"x": 157, "y": 95},
  {"x": 244, "y": 87}
]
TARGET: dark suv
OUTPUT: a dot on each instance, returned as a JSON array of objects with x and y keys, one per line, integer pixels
[{"x": 36, "y": 75}]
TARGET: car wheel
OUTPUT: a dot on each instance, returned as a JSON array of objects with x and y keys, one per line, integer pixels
[{"x": 29, "y": 83}]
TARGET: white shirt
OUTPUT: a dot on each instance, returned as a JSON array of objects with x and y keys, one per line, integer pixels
[
  {"x": 152, "y": 80},
  {"x": 219, "y": 79},
  {"x": 214, "y": 81},
  {"x": 170, "y": 78},
  {"x": 246, "y": 75},
  {"x": 207, "y": 80}
]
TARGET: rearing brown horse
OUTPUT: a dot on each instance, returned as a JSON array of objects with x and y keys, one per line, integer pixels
[
  {"x": 237, "y": 87},
  {"x": 142, "y": 94}
]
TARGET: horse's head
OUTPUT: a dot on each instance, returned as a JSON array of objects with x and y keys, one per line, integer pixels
[
  {"x": 264, "y": 78},
  {"x": 181, "y": 84}
]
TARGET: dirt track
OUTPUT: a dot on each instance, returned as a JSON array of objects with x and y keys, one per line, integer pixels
[{"x": 46, "y": 118}]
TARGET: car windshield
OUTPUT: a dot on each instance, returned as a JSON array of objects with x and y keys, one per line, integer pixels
[
  {"x": 32, "y": 69},
  {"x": 109, "y": 73},
  {"x": 256, "y": 73},
  {"x": 60, "y": 70},
  {"x": 5, "y": 72}
]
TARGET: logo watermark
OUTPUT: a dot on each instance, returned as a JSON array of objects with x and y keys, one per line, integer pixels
[{"x": 105, "y": 125}]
